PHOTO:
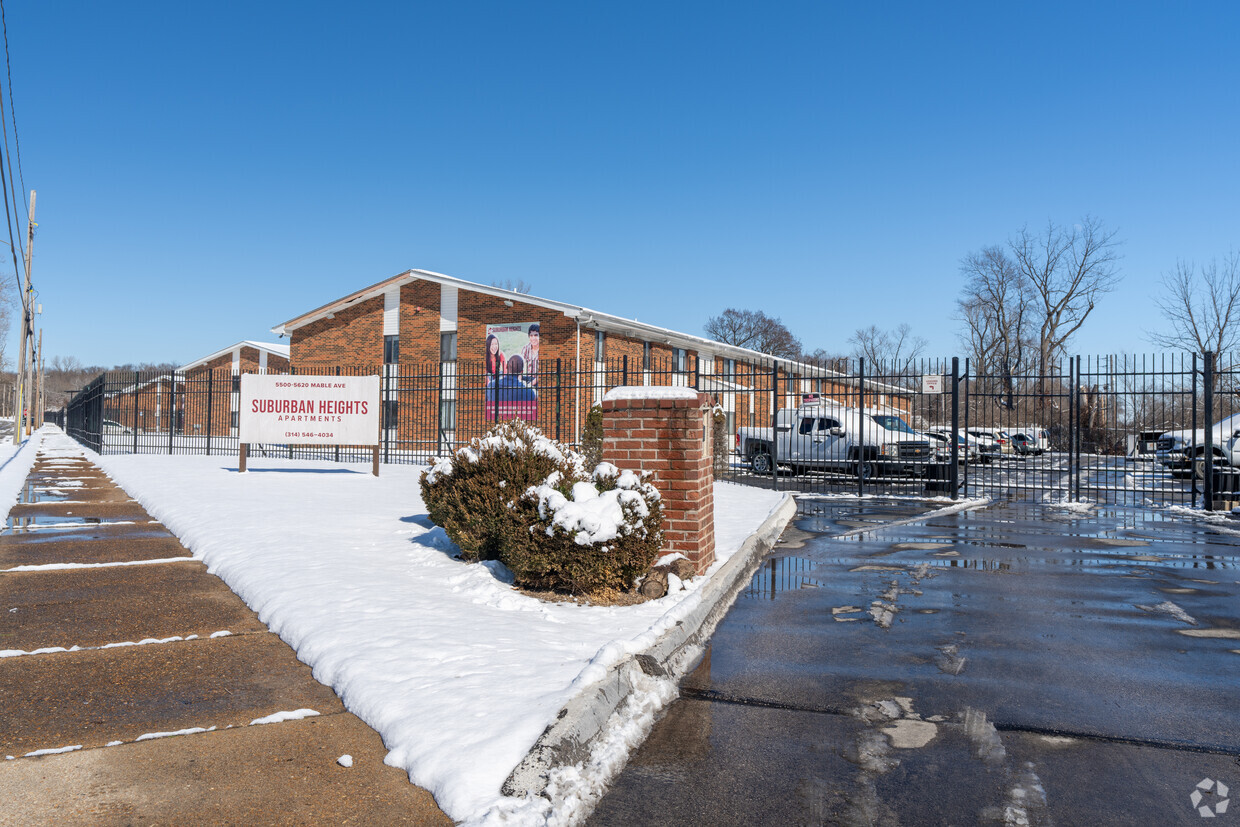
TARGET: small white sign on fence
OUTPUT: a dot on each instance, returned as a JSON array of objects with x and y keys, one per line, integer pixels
[
  {"x": 309, "y": 410},
  {"x": 932, "y": 384}
]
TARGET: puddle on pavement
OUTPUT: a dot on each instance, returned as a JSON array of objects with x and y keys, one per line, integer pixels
[
  {"x": 57, "y": 526},
  {"x": 33, "y": 492},
  {"x": 782, "y": 574}
]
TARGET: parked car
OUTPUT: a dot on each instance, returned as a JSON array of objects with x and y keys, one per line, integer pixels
[
  {"x": 826, "y": 436},
  {"x": 1142, "y": 445},
  {"x": 987, "y": 443},
  {"x": 1025, "y": 445},
  {"x": 1037, "y": 433},
  {"x": 968, "y": 449},
  {"x": 1000, "y": 437},
  {"x": 111, "y": 426},
  {"x": 1183, "y": 452}
]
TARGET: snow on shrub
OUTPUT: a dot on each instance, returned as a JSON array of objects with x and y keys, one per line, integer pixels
[
  {"x": 471, "y": 493},
  {"x": 587, "y": 535},
  {"x": 525, "y": 500}
]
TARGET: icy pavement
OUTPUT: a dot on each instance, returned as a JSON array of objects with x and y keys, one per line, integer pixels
[
  {"x": 459, "y": 672},
  {"x": 999, "y": 666}
]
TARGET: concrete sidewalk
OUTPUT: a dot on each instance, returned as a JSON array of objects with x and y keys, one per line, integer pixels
[{"x": 206, "y": 664}]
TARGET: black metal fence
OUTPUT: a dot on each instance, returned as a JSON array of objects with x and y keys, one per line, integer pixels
[{"x": 1081, "y": 429}]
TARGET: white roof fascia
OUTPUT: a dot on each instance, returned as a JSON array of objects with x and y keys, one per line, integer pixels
[
  {"x": 274, "y": 349},
  {"x": 584, "y": 315}
]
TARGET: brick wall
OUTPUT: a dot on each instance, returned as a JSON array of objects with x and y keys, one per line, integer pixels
[
  {"x": 670, "y": 438},
  {"x": 353, "y": 337},
  {"x": 150, "y": 406}
]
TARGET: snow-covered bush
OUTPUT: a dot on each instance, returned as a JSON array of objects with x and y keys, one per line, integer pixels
[
  {"x": 523, "y": 499},
  {"x": 722, "y": 444},
  {"x": 587, "y": 535},
  {"x": 592, "y": 437},
  {"x": 471, "y": 494}
]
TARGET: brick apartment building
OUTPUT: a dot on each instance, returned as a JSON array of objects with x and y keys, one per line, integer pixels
[
  {"x": 198, "y": 398},
  {"x": 428, "y": 336}
]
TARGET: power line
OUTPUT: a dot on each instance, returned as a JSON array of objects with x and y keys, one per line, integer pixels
[
  {"x": 8, "y": 68},
  {"x": 9, "y": 190},
  {"x": 4, "y": 128}
]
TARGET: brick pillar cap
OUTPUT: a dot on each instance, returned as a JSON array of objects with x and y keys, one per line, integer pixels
[{"x": 653, "y": 396}]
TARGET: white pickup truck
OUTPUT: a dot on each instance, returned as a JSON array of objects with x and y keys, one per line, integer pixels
[
  {"x": 827, "y": 436},
  {"x": 1183, "y": 451}
]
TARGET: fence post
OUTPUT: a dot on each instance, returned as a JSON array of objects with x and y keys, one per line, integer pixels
[
  {"x": 697, "y": 372},
  {"x": 1074, "y": 454},
  {"x": 558, "y": 382},
  {"x": 210, "y": 384},
  {"x": 955, "y": 472},
  {"x": 1207, "y": 483},
  {"x": 337, "y": 450},
  {"x": 1193, "y": 444},
  {"x": 135, "y": 412},
  {"x": 775, "y": 425},
  {"x": 968, "y": 393},
  {"x": 387, "y": 430},
  {"x": 626, "y": 370},
  {"x": 861, "y": 421},
  {"x": 172, "y": 407}
]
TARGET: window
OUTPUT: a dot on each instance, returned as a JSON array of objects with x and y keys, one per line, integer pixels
[
  {"x": 827, "y": 424},
  {"x": 728, "y": 369},
  {"x": 389, "y": 414},
  {"x": 235, "y": 415},
  {"x": 600, "y": 347},
  {"x": 807, "y": 425},
  {"x": 447, "y": 347},
  {"x": 236, "y": 383},
  {"x": 645, "y": 355},
  {"x": 447, "y": 414},
  {"x": 680, "y": 360},
  {"x": 391, "y": 350}
]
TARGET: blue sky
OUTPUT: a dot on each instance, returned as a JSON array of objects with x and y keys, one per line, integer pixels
[{"x": 206, "y": 171}]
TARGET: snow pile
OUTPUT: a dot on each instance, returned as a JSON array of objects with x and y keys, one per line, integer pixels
[
  {"x": 592, "y": 516},
  {"x": 456, "y": 670},
  {"x": 513, "y": 438},
  {"x": 649, "y": 392},
  {"x": 15, "y": 464}
]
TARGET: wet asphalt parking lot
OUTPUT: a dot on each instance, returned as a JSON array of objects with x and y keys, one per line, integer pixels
[{"x": 1017, "y": 664}]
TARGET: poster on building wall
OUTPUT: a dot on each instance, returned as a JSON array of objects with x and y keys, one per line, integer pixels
[
  {"x": 309, "y": 410},
  {"x": 511, "y": 360}
]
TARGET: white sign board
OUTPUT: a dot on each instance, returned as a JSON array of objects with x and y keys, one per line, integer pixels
[
  {"x": 932, "y": 384},
  {"x": 309, "y": 410}
]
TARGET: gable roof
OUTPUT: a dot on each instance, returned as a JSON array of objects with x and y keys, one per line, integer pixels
[
  {"x": 272, "y": 348},
  {"x": 586, "y": 317}
]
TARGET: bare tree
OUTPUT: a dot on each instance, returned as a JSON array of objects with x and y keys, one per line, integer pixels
[
  {"x": 1202, "y": 310},
  {"x": 1066, "y": 271},
  {"x": 6, "y": 324},
  {"x": 755, "y": 330},
  {"x": 894, "y": 348},
  {"x": 64, "y": 376},
  {"x": 823, "y": 358},
  {"x": 518, "y": 286},
  {"x": 994, "y": 305}
]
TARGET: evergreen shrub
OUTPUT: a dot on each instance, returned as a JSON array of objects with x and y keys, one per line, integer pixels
[{"x": 523, "y": 499}]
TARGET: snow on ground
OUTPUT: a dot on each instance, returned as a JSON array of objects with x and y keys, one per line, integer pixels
[
  {"x": 15, "y": 464},
  {"x": 457, "y": 671}
]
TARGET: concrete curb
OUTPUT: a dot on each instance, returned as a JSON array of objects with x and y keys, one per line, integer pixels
[{"x": 584, "y": 718}]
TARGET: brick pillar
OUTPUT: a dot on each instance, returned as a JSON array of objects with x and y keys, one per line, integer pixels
[{"x": 670, "y": 437}]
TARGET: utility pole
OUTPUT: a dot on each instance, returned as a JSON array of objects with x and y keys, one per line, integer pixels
[
  {"x": 23, "y": 384},
  {"x": 38, "y": 383}
]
